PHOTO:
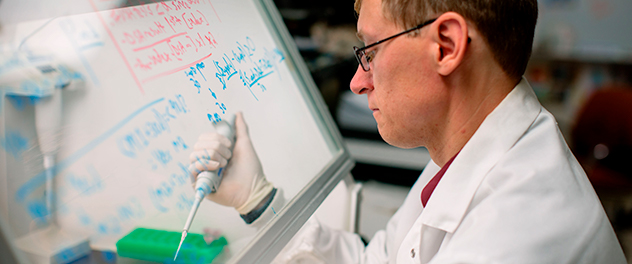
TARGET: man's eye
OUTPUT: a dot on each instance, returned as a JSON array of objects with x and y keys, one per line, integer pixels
[{"x": 369, "y": 55}]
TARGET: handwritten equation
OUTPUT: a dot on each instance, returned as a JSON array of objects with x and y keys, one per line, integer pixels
[
  {"x": 163, "y": 38},
  {"x": 139, "y": 138},
  {"x": 249, "y": 63}
]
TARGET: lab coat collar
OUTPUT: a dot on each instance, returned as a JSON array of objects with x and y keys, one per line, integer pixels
[{"x": 500, "y": 130}]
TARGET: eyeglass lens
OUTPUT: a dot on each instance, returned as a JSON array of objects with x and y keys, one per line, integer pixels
[{"x": 361, "y": 57}]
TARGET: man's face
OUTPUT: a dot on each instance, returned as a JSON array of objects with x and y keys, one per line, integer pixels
[{"x": 400, "y": 86}]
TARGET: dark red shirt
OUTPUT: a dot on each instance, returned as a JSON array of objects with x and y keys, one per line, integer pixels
[{"x": 427, "y": 191}]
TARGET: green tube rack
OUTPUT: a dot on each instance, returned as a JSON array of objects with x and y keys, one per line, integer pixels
[{"x": 161, "y": 246}]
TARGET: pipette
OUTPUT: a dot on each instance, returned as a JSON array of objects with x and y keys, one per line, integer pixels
[{"x": 208, "y": 181}]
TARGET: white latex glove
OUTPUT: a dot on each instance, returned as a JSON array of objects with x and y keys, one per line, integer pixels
[{"x": 243, "y": 185}]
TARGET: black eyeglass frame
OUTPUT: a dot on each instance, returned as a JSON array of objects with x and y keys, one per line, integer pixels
[{"x": 360, "y": 52}]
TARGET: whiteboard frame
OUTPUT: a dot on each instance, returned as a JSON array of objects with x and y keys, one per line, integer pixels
[{"x": 271, "y": 239}]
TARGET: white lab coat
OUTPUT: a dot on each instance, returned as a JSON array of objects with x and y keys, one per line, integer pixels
[{"x": 514, "y": 194}]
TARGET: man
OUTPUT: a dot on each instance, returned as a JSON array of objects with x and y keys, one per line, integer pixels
[{"x": 502, "y": 186}]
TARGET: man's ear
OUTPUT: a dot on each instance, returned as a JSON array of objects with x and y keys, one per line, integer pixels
[{"x": 449, "y": 32}]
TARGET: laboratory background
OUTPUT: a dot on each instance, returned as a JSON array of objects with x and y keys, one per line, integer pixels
[{"x": 580, "y": 69}]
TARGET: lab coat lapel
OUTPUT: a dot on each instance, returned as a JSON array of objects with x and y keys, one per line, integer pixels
[
  {"x": 421, "y": 246},
  {"x": 451, "y": 198},
  {"x": 431, "y": 241}
]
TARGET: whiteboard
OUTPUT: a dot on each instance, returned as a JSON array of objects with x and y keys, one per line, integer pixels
[{"x": 147, "y": 81}]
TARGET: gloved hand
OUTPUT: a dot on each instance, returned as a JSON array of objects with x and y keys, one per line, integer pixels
[{"x": 243, "y": 185}]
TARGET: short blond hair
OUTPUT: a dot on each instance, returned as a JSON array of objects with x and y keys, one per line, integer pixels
[{"x": 507, "y": 26}]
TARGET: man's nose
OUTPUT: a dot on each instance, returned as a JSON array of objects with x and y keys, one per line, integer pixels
[{"x": 361, "y": 82}]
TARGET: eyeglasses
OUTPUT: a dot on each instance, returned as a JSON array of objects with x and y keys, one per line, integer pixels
[{"x": 365, "y": 57}]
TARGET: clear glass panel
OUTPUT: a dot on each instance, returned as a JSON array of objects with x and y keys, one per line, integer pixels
[{"x": 112, "y": 96}]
